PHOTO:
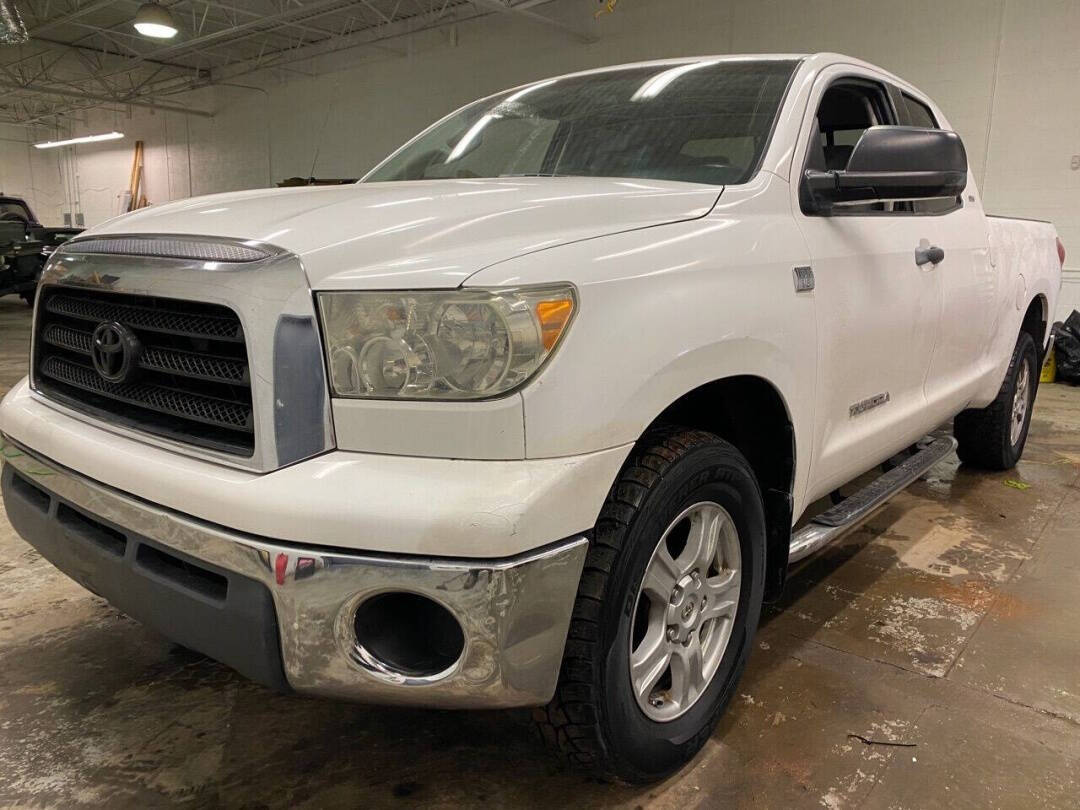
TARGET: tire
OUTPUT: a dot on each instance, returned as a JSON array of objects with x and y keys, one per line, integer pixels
[
  {"x": 595, "y": 720},
  {"x": 28, "y": 297},
  {"x": 986, "y": 437}
]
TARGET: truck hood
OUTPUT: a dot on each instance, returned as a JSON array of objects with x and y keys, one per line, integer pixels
[{"x": 422, "y": 234}]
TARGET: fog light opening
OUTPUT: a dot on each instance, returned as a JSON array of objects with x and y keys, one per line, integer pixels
[{"x": 408, "y": 634}]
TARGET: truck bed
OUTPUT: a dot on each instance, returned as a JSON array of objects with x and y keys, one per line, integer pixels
[{"x": 1028, "y": 247}]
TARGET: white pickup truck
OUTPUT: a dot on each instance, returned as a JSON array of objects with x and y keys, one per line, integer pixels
[{"x": 528, "y": 416}]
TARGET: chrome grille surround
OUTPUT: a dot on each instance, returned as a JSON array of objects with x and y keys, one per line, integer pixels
[{"x": 290, "y": 399}]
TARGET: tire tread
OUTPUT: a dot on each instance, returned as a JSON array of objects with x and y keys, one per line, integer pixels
[
  {"x": 982, "y": 434},
  {"x": 571, "y": 723}
]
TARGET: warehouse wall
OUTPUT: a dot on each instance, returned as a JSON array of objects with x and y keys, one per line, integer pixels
[
  {"x": 31, "y": 173},
  {"x": 1005, "y": 72}
]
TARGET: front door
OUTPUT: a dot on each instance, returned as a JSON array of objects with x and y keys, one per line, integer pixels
[{"x": 878, "y": 312}]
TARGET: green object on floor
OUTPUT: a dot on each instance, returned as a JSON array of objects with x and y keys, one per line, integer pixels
[{"x": 1009, "y": 482}]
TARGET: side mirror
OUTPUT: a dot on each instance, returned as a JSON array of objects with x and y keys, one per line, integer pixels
[{"x": 892, "y": 163}]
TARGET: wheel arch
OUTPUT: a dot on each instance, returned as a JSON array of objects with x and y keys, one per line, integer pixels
[
  {"x": 1036, "y": 320},
  {"x": 751, "y": 413}
]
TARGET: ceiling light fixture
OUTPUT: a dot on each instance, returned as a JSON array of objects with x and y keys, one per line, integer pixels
[
  {"x": 108, "y": 136},
  {"x": 152, "y": 20}
]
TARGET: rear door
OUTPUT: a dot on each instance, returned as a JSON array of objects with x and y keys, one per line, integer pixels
[
  {"x": 878, "y": 311},
  {"x": 968, "y": 282}
]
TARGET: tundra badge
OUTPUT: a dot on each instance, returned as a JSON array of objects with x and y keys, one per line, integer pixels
[{"x": 867, "y": 404}]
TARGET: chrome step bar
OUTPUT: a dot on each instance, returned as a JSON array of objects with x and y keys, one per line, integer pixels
[{"x": 830, "y": 524}]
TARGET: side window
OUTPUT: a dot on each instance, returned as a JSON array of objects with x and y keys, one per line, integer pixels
[
  {"x": 919, "y": 115},
  {"x": 847, "y": 109}
]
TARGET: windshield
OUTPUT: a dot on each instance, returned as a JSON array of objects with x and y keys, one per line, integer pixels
[{"x": 702, "y": 122}]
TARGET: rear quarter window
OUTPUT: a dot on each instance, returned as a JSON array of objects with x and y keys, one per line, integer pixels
[{"x": 9, "y": 209}]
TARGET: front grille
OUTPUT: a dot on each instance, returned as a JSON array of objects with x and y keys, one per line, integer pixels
[
  {"x": 168, "y": 321},
  {"x": 190, "y": 381}
]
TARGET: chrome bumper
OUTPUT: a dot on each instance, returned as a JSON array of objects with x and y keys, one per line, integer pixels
[{"x": 514, "y": 612}]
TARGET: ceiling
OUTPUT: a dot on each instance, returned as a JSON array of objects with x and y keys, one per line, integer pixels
[{"x": 85, "y": 53}]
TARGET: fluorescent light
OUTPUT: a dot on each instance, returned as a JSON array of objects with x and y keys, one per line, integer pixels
[
  {"x": 151, "y": 20},
  {"x": 656, "y": 84},
  {"x": 108, "y": 136}
]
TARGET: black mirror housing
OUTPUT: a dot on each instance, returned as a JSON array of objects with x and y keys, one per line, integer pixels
[{"x": 893, "y": 163}]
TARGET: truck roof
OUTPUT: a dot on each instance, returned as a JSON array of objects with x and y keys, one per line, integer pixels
[
  {"x": 683, "y": 60},
  {"x": 816, "y": 61}
]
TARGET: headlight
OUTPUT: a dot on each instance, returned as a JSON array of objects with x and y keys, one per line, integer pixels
[{"x": 460, "y": 344}]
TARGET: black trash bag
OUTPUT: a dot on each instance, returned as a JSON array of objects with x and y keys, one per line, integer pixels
[
  {"x": 1067, "y": 349},
  {"x": 1072, "y": 323}
]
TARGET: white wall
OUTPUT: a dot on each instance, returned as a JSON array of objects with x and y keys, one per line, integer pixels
[
  {"x": 32, "y": 174},
  {"x": 1006, "y": 72}
]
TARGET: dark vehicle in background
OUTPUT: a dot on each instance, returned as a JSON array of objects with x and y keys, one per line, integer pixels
[{"x": 25, "y": 244}]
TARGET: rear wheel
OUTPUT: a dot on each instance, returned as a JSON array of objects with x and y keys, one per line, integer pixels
[
  {"x": 667, "y": 607},
  {"x": 993, "y": 437}
]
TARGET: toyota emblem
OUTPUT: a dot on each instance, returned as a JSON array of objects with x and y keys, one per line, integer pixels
[{"x": 115, "y": 351}]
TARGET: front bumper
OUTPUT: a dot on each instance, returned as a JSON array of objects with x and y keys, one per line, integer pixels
[
  {"x": 281, "y": 613},
  {"x": 368, "y": 503}
]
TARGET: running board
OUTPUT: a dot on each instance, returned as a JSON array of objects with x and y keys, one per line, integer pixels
[{"x": 851, "y": 511}]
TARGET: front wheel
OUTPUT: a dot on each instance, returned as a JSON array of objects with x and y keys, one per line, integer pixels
[
  {"x": 994, "y": 437},
  {"x": 666, "y": 610}
]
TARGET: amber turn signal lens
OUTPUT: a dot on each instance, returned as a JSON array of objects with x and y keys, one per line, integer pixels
[{"x": 553, "y": 315}]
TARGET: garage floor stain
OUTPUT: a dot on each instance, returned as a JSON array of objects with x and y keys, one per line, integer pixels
[{"x": 950, "y": 621}]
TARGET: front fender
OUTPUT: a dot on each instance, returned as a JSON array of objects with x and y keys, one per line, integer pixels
[{"x": 663, "y": 311}]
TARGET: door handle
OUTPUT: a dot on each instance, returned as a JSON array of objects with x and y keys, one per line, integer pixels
[{"x": 929, "y": 255}]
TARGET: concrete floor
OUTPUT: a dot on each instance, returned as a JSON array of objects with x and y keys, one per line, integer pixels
[{"x": 950, "y": 623}]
